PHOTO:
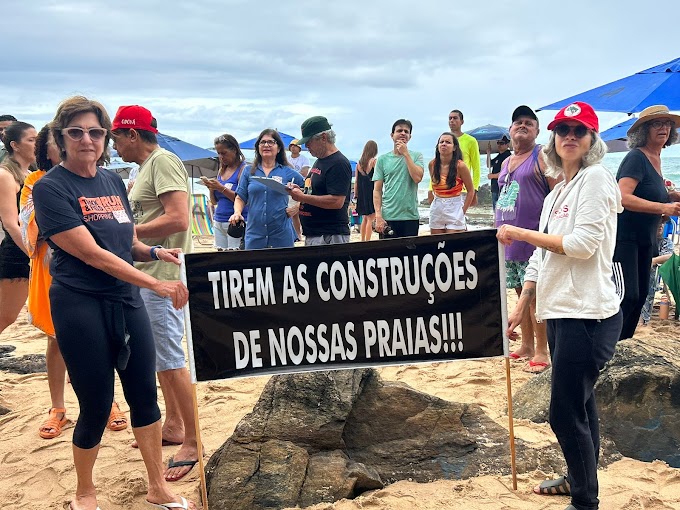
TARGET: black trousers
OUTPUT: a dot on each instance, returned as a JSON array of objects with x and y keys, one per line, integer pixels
[
  {"x": 632, "y": 265},
  {"x": 579, "y": 349}
]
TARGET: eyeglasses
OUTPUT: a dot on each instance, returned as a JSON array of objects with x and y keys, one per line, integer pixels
[
  {"x": 564, "y": 130},
  {"x": 657, "y": 124},
  {"x": 76, "y": 134},
  {"x": 268, "y": 142}
]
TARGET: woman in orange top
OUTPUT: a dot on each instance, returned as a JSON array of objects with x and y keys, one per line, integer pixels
[
  {"x": 448, "y": 174},
  {"x": 39, "y": 311}
]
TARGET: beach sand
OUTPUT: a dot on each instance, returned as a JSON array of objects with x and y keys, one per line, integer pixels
[{"x": 38, "y": 474}]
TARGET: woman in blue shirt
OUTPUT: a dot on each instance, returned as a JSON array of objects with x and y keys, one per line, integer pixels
[
  {"x": 268, "y": 223},
  {"x": 223, "y": 190}
]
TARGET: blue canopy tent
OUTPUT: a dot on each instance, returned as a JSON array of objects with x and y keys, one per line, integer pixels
[
  {"x": 250, "y": 144},
  {"x": 488, "y": 134},
  {"x": 656, "y": 85}
]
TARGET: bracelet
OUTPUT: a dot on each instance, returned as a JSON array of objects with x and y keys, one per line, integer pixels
[{"x": 153, "y": 251}]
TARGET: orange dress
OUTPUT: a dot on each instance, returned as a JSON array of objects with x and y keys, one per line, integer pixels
[{"x": 39, "y": 311}]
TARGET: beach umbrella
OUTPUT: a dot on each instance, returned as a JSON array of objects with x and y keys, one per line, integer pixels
[
  {"x": 250, "y": 144},
  {"x": 616, "y": 138},
  {"x": 488, "y": 134},
  {"x": 656, "y": 85},
  {"x": 197, "y": 161}
]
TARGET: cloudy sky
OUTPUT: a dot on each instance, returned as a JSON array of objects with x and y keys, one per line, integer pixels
[{"x": 208, "y": 67}]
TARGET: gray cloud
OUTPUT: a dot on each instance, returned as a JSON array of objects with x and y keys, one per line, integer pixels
[{"x": 207, "y": 67}]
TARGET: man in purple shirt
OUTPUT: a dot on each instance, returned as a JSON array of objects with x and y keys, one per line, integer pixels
[{"x": 522, "y": 188}]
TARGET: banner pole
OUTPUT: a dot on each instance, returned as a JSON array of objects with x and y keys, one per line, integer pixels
[
  {"x": 192, "y": 369},
  {"x": 511, "y": 426},
  {"x": 506, "y": 350}
]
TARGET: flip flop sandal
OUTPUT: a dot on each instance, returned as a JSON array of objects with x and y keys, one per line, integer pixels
[
  {"x": 172, "y": 463},
  {"x": 53, "y": 425},
  {"x": 557, "y": 487},
  {"x": 117, "y": 419},
  {"x": 168, "y": 506}
]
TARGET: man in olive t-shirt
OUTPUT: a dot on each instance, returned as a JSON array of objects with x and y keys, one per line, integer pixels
[{"x": 160, "y": 205}]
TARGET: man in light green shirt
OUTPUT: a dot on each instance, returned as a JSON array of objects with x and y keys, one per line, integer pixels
[
  {"x": 395, "y": 193},
  {"x": 160, "y": 205}
]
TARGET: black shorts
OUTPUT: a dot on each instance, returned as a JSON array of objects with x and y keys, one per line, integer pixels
[{"x": 13, "y": 261}]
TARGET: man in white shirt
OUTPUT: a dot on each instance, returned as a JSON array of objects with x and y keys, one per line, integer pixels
[{"x": 299, "y": 162}]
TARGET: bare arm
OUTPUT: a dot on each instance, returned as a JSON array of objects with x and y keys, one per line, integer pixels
[
  {"x": 416, "y": 172},
  {"x": 377, "y": 205},
  {"x": 174, "y": 219},
  {"x": 322, "y": 201},
  {"x": 465, "y": 174},
  {"x": 551, "y": 242},
  {"x": 629, "y": 201},
  {"x": 9, "y": 214},
  {"x": 525, "y": 299},
  {"x": 79, "y": 243}
]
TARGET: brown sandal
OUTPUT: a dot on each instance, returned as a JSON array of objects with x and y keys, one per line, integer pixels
[
  {"x": 117, "y": 419},
  {"x": 51, "y": 428}
]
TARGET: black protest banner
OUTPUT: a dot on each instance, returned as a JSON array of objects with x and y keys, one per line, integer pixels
[{"x": 428, "y": 298}]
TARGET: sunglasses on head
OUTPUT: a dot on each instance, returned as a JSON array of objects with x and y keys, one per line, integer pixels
[
  {"x": 76, "y": 133},
  {"x": 564, "y": 130}
]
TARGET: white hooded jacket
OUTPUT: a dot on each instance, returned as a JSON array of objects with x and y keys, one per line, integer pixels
[{"x": 578, "y": 284}]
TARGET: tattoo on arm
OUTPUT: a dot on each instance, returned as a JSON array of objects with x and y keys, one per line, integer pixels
[
  {"x": 555, "y": 249},
  {"x": 529, "y": 292}
]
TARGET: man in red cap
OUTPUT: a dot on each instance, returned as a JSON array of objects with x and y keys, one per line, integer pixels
[{"x": 160, "y": 204}]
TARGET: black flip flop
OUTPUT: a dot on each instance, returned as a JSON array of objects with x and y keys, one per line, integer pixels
[{"x": 172, "y": 463}]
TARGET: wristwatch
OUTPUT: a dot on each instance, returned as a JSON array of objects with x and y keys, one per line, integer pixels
[{"x": 153, "y": 251}]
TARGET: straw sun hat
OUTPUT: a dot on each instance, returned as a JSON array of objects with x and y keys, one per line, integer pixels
[{"x": 654, "y": 112}]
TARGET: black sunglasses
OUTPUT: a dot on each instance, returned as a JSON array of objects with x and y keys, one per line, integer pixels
[{"x": 564, "y": 129}]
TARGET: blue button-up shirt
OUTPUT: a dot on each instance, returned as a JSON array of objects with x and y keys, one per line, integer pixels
[{"x": 268, "y": 225}]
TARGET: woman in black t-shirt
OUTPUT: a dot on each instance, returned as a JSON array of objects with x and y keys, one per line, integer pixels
[
  {"x": 99, "y": 318},
  {"x": 645, "y": 199}
]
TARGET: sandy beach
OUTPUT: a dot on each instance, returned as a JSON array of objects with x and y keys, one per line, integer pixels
[{"x": 38, "y": 474}]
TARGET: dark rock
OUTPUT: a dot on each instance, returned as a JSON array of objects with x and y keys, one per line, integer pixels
[
  {"x": 28, "y": 364},
  {"x": 4, "y": 410},
  {"x": 6, "y": 349},
  {"x": 484, "y": 195},
  {"x": 324, "y": 436},
  {"x": 638, "y": 398}
]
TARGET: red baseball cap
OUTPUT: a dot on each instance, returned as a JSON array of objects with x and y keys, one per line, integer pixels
[
  {"x": 577, "y": 111},
  {"x": 135, "y": 117}
]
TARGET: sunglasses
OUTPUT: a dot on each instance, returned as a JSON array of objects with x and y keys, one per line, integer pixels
[
  {"x": 76, "y": 134},
  {"x": 564, "y": 130},
  {"x": 268, "y": 142}
]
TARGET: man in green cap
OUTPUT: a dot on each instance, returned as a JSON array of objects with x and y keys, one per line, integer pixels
[{"x": 323, "y": 202}]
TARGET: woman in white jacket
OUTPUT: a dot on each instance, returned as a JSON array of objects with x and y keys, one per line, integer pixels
[{"x": 570, "y": 273}]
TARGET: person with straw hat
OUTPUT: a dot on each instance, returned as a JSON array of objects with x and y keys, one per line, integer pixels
[{"x": 645, "y": 199}]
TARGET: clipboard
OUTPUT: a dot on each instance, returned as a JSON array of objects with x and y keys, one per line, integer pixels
[{"x": 271, "y": 183}]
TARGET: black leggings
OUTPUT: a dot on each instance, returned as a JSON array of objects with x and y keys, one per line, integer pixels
[
  {"x": 632, "y": 265},
  {"x": 86, "y": 346}
]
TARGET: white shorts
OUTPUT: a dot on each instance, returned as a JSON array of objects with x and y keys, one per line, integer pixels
[{"x": 447, "y": 214}]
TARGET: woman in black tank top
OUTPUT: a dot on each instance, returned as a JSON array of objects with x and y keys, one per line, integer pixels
[{"x": 19, "y": 139}]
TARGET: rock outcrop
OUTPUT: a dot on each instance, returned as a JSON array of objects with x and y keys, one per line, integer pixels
[{"x": 325, "y": 436}]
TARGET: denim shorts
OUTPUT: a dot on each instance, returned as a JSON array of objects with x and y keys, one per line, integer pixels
[
  {"x": 223, "y": 241},
  {"x": 167, "y": 325},
  {"x": 514, "y": 273}
]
